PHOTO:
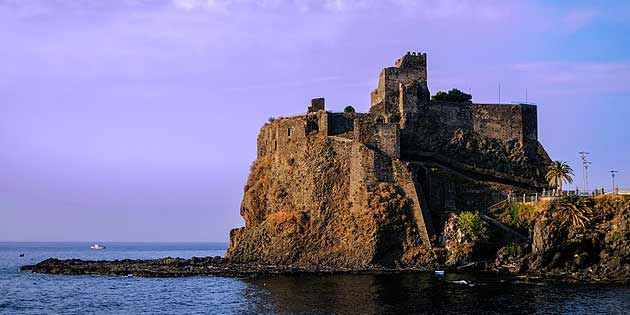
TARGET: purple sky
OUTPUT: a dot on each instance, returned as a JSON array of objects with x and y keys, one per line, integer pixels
[{"x": 136, "y": 120}]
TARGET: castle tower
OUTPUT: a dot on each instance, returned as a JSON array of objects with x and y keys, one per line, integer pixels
[{"x": 402, "y": 89}]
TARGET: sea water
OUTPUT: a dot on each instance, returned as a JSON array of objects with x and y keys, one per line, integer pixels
[{"x": 423, "y": 293}]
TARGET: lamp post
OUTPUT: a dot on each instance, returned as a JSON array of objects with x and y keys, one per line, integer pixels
[
  {"x": 612, "y": 173},
  {"x": 585, "y": 164}
]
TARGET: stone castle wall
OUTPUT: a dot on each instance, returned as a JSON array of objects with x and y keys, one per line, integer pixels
[
  {"x": 381, "y": 136},
  {"x": 279, "y": 133},
  {"x": 506, "y": 122},
  {"x": 497, "y": 121}
]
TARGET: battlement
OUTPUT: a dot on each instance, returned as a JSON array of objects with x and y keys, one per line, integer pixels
[{"x": 412, "y": 60}]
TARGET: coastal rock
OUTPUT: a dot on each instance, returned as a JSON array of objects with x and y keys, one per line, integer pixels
[
  {"x": 178, "y": 267},
  {"x": 297, "y": 211},
  {"x": 599, "y": 251}
]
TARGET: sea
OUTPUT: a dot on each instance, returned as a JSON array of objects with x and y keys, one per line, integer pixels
[{"x": 421, "y": 293}]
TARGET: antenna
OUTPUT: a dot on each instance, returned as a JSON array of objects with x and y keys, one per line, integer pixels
[{"x": 526, "y": 96}]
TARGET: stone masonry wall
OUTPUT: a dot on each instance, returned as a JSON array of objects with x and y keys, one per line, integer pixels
[
  {"x": 505, "y": 122},
  {"x": 279, "y": 133},
  {"x": 377, "y": 135},
  {"x": 496, "y": 121},
  {"x": 340, "y": 123}
]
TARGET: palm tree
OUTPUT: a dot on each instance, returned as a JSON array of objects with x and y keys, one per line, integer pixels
[
  {"x": 575, "y": 210},
  {"x": 559, "y": 172}
]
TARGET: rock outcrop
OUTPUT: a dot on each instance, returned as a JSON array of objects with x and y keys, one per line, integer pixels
[
  {"x": 599, "y": 251},
  {"x": 298, "y": 211},
  {"x": 351, "y": 190},
  {"x": 170, "y": 267}
]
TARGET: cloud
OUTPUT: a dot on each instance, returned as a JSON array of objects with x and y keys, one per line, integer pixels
[
  {"x": 211, "y": 5},
  {"x": 466, "y": 9},
  {"x": 573, "y": 78}
]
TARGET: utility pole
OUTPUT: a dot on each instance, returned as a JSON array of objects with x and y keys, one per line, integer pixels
[
  {"x": 612, "y": 173},
  {"x": 499, "y": 93},
  {"x": 585, "y": 164}
]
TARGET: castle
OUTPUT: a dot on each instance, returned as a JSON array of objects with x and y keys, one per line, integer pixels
[
  {"x": 443, "y": 156},
  {"x": 401, "y": 100}
]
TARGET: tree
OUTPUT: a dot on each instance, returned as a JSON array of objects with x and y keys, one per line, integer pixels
[
  {"x": 559, "y": 172},
  {"x": 454, "y": 95},
  {"x": 440, "y": 96},
  {"x": 349, "y": 109}
]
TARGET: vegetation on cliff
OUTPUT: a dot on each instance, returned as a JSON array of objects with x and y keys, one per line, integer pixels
[
  {"x": 584, "y": 238},
  {"x": 580, "y": 238},
  {"x": 473, "y": 227}
]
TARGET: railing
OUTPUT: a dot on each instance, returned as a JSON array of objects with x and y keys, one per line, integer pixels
[
  {"x": 620, "y": 191},
  {"x": 524, "y": 197},
  {"x": 546, "y": 194}
]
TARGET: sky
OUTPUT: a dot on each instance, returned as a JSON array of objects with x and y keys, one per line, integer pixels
[{"x": 136, "y": 120}]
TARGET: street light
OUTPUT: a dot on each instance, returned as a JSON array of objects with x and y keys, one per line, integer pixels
[
  {"x": 612, "y": 173},
  {"x": 585, "y": 164}
]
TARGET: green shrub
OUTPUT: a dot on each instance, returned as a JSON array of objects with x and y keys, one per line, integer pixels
[
  {"x": 349, "y": 109},
  {"x": 454, "y": 95},
  {"x": 473, "y": 226}
]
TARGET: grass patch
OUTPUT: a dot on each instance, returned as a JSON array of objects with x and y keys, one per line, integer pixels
[{"x": 516, "y": 215}]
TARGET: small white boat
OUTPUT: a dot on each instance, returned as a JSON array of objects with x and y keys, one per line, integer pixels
[
  {"x": 439, "y": 272},
  {"x": 97, "y": 246}
]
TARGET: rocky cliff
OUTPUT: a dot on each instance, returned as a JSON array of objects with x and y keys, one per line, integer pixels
[{"x": 298, "y": 211}]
